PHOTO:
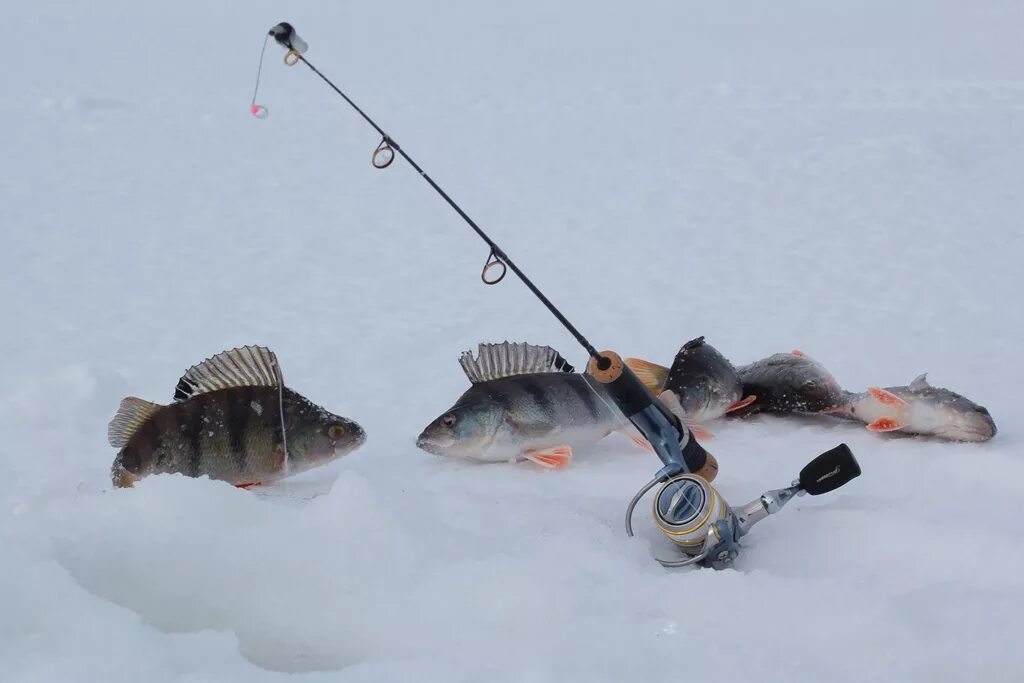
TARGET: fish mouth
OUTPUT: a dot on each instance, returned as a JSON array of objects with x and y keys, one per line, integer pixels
[
  {"x": 425, "y": 443},
  {"x": 972, "y": 434}
]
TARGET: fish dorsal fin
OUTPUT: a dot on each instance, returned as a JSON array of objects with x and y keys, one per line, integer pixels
[
  {"x": 247, "y": 366},
  {"x": 920, "y": 382},
  {"x": 494, "y": 361},
  {"x": 131, "y": 415}
]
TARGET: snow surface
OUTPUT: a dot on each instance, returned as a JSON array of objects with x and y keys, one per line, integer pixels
[{"x": 841, "y": 178}]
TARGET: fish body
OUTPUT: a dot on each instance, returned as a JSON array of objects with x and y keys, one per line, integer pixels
[
  {"x": 919, "y": 408},
  {"x": 524, "y": 403},
  {"x": 790, "y": 383},
  {"x": 232, "y": 420},
  {"x": 701, "y": 385},
  {"x": 705, "y": 382}
]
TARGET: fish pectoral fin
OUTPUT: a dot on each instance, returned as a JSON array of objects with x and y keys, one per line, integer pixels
[
  {"x": 636, "y": 437},
  {"x": 742, "y": 403},
  {"x": 671, "y": 401},
  {"x": 886, "y": 397},
  {"x": 651, "y": 374},
  {"x": 699, "y": 431},
  {"x": 886, "y": 424},
  {"x": 552, "y": 458}
]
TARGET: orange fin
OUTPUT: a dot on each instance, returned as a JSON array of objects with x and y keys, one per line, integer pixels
[
  {"x": 637, "y": 438},
  {"x": 555, "y": 458},
  {"x": 671, "y": 401},
  {"x": 798, "y": 352},
  {"x": 122, "y": 478},
  {"x": 742, "y": 403},
  {"x": 652, "y": 375},
  {"x": 699, "y": 431},
  {"x": 886, "y": 397},
  {"x": 248, "y": 485},
  {"x": 886, "y": 424}
]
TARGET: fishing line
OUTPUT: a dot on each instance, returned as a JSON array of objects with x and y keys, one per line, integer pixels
[
  {"x": 258, "y": 110},
  {"x": 280, "y": 407}
]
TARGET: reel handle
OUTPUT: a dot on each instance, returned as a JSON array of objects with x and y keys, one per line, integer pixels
[{"x": 829, "y": 471}]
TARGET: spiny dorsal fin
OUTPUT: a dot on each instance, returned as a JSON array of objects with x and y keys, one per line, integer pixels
[
  {"x": 920, "y": 382},
  {"x": 495, "y": 361},
  {"x": 131, "y": 415},
  {"x": 247, "y": 366}
]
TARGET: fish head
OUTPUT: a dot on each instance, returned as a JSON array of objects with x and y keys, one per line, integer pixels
[
  {"x": 321, "y": 438},
  {"x": 961, "y": 418},
  {"x": 466, "y": 430},
  {"x": 818, "y": 393}
]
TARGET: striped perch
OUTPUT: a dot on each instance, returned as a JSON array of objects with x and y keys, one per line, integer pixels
[
  {"x": 525, "y": 402},
  {"x": 232, "y": 419}
]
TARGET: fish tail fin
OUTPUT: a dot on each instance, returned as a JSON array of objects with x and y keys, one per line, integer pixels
[
  {"x": 651, "y": 374},
  {"x": 131, "y": 415}
]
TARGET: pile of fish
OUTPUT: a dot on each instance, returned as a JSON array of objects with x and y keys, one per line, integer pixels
[
  {"x": 702, "y": 385},
  {"x": 233, "y": 419}
]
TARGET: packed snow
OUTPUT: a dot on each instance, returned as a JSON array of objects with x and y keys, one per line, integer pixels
[{"x": 840, "y": 178}]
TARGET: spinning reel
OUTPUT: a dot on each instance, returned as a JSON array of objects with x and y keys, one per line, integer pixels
[
  {"x": 695, "y": 517},
  {"x": 687, "y": 508}
]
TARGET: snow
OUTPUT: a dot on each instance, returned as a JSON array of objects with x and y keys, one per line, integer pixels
[{"x": 843, "y": 179}]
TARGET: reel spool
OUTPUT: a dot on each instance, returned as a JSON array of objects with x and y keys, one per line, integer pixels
[{"x": 695, "y": 517}]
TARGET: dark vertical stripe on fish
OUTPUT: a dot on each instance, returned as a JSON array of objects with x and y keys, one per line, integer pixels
[
  {"x": 537, "y": 393},
  {"x": 158, "y": 444},
  {"x": 193, "y": 422},
  {"x": 503, "y": 400},
  {"x": 235, "y": 421},
  {"x": 587, "y": 396}
]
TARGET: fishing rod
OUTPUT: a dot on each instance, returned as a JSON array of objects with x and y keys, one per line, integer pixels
[{"x": 687, "y": 508}]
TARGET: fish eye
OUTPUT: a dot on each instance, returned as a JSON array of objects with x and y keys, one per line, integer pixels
[
  {"x": 336, "y": 431},
  {"x": 448, "y": 420}
]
